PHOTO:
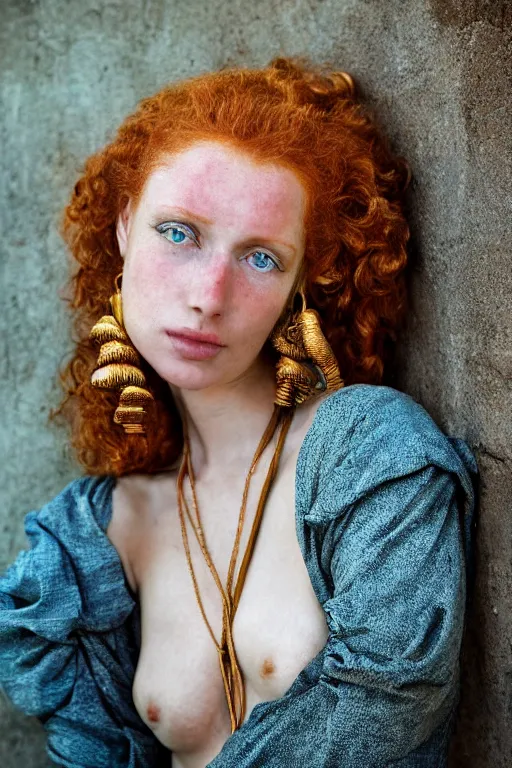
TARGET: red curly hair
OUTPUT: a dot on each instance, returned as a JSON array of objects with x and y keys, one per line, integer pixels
[{"x": 292, "y": 113}]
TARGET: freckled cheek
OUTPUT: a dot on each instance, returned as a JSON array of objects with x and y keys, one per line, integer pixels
[
  {"x": 150, "y": 277},
  {"x": 258, "y": 309}
]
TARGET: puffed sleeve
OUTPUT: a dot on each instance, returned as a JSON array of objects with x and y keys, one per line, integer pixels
[
  {"x": 68, "y": 634},
  {"x": 382, "y": 497}
]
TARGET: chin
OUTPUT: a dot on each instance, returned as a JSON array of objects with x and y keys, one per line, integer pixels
[
  {"x": 192, "y": 380},
  {"x": 190, "y": 375}
]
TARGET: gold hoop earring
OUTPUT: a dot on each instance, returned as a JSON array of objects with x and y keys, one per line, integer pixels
[
  {"x": 118, "y": 367},
  {"x": 307, "y": 365}
]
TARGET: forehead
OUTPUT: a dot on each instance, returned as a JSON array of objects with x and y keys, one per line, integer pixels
[{"x": 225, "y": 185}]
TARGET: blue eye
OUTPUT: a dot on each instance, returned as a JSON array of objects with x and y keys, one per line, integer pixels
[
  {"x": 265, "y": 264},
  {"x": 173, "y": 233},
  {"x": 177, "y": 236}
]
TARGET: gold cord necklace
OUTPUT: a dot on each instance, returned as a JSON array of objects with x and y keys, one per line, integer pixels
[{"x": 230, "y": 670}]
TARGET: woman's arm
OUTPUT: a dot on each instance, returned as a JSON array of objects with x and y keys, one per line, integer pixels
[
  {"x": 68, "y": 643},
  {"x": 396, "y": 620},
  {"x": 382, "y": 494},
  {"x": 388, "y": 685}
]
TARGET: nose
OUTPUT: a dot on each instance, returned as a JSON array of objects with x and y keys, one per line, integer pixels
[{"x": 211, "y": 285}]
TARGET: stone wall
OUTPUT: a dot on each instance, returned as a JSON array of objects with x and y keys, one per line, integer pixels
[{"x": 436, "y": 72}]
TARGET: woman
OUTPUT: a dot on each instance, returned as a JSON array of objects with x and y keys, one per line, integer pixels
[{"x": 248, "y": 227}]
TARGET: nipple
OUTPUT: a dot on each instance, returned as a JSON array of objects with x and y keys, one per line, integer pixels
[
  {"x": 267, "y": 668},
  {"x": 153, "y": 713}
]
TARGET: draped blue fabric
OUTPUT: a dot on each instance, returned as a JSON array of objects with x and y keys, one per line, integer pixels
[{"x": 384, "y": 519}]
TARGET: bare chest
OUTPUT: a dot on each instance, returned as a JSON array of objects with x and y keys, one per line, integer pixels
[{"x": 278, "y": 628}]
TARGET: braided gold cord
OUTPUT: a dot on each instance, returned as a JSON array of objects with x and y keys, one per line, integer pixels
[{"x": 230, "y": 668}]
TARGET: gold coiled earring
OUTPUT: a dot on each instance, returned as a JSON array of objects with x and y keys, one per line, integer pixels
[
  {"x": 307, "y": 365},
  {"x": 118, "y": 367}
]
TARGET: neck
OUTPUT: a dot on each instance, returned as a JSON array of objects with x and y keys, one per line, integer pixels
[{"x": 225, "y": 423}]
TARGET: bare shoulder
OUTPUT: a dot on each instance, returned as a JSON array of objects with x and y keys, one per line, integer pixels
[
  {"x": 120, "y": 529},
  {"x": 134, "y": 500}
]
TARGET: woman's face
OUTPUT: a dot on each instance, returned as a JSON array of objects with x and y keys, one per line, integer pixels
[{"x": 213, "y": 247}]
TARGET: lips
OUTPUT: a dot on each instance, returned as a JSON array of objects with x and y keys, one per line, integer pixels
[
  {"x": 191, "y": 345},
  {"x": 188, "y": 333}
]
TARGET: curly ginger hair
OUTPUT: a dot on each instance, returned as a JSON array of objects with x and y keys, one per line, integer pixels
[{"x": 291, "y": 113}]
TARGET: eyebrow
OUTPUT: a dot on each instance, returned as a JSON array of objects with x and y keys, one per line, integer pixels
[{"x": 263, "y": 240}]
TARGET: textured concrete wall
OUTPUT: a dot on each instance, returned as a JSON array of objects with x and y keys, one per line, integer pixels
[{"x": 437, "y": 73}]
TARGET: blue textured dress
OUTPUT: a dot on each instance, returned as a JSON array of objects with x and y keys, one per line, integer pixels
[{"x": 384, "y": 517}]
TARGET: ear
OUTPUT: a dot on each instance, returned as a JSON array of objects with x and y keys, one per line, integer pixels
[{"x": 123, "y": 226}]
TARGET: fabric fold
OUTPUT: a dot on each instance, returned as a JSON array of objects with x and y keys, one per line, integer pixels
[{"x": 70, "y": 634}]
